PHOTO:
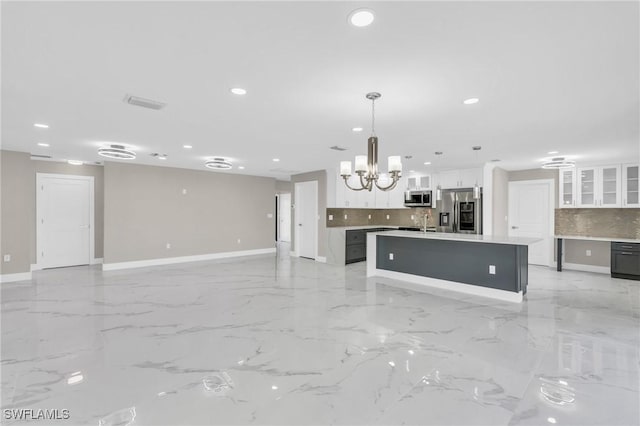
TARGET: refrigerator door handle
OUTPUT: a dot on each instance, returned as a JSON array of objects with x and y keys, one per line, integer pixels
[{"x": 456, "y": 218}]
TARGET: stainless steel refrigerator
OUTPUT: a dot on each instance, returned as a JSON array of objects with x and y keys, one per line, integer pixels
[{"x": 459, "y": 212}]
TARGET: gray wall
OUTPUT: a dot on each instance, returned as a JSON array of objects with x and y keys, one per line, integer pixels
[
  {"x": 575, "y": 252},
  {"x": 145, "y": 209},
  {"x": 319, "y": 176},
  {"x": 284, "y": 187},
  {"x": 18, "y": 210},
  {"x": 500, "y": 208}
]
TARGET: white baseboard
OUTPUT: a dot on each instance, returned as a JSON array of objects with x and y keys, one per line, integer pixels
[
  {"x": 96, "y": 261},
  {"x": 35, "y": 267},
  {"x": 321, "y": 259},
  {"x": 475, "y": 290},
  {"x": 183, "y": 259},
  {"x": 587, "y": 268},
  {"x": 9, "y": 278}
]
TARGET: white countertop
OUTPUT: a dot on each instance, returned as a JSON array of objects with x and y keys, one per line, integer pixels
[
  {"x": 578, "y": 237},
  {"x": 460, "y": 237}
]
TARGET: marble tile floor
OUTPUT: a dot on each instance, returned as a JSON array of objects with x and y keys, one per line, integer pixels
[{"x": 285, "y": 341}]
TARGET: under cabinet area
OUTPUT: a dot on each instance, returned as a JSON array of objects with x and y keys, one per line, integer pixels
[{"x": 356, "y": 244}]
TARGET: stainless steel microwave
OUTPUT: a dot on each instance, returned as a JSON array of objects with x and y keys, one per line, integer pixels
[{"x": 417, "y": 198}]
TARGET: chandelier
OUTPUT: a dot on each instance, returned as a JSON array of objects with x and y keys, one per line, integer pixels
[{"x": 366, "y": 166}]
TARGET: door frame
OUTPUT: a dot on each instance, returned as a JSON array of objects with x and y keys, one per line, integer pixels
[
  {"x": 39, "y": 229},
  {"x": 296, "y": 236},
  {"x": 552, "y": 207}
]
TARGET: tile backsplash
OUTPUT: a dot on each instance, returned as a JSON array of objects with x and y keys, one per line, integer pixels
[
  {"x": 605, "y": 223},
  {"x": 336, "y": 217}
]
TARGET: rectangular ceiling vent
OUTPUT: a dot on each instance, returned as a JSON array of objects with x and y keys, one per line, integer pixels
[
  {"x": 145, "y": 103},
  {"x": 338, "y": 148},
  {"x": 36, "y": 156}
]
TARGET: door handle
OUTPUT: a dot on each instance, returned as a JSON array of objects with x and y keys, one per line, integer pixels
[
  {"x": 626, "y": 253},
  {"x": 514, "y": 227},
  {"x": 299, "y": 224}
]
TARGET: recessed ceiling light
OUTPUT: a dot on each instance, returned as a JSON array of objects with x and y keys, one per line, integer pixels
[
  {"x": 357, "y": 129},
  {"x": 241, "y": 167},
  {"x": 75, "y": 162},
  {"x": 119, "y": 152},
  {"x": 276, "y": 160},
  {"x": 552, "y": 152},
  {"x": 187, "y": 146},
  {"x": 471, "y": 101},
  {"x": 412, "y": 171},
  {"x": 238, "y": 91},
  {"x": 426, "y": 163},
  {"x": 361, "y": 17},
  {"x": 46, "y": 145},
  {"x": 42, "y": 126},
  {"x": 162, "y": 158}
]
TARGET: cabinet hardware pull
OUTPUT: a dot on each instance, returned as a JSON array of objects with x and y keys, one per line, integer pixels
[{"x": 626, "y": 253}]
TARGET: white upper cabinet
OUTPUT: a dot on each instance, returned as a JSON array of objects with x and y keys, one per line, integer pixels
[
  {"x": 599, "y": 186},
  {"x": 418, "y": 182},
  {"x": 630, "y": 185},
  {"x": 465, "y": 178},
  {"x": 567, "y": 188}
]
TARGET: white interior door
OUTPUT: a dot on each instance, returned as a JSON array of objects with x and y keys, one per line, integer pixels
[
  {"x": 530, "y": 215},
  {"x": 306, "y": 219},
  {"x": 64, "y": 220},
  {"x": 285, "y": 217}
]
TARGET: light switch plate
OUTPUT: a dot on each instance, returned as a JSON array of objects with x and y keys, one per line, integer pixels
[
  {"x": 270, "y": 215},
  {"x": 387, "y": 217},
  {"x": 184, "y": 192},
  {"x": 492, "y": 269},
  {"x": 7, "y": 258},
  {"x": 369, "y": 217},
  {"x": 345, "y": 217},
  {"x": 588, "y": 252},
  {"x": 390, "y": 256},
  {"x": 330, "y": 217}
]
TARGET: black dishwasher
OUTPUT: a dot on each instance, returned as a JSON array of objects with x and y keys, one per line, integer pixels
[{"x": 625, "y": 260}]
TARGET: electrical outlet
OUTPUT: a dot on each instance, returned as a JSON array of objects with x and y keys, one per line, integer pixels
[
  {"x": 345, "y": 217},
  {"x": 330, "y": 217},
  {"x": 492, "y": 269},
  {"x": 168, "y": 246},
  {"x": 184, "y": 192},
  {"x": 390, "y": 256},
  {"x": 270, "y": 215},
  {"x": 588, "y": 252},
  {"x": 387, "y": 217},
  {"x": 369, "y": 217},
  {"x": 413, "y": 217},
  {"x": 7, "y": 258},
  {"x": 238, "y": 240}
]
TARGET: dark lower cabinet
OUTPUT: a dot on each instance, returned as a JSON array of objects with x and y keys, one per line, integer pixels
[
  {"x": 625, "y": 260},
  {"x": 356, "y": 244}
]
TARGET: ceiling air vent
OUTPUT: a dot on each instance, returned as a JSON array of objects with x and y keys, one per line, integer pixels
[
  {"x": 119, "y": 152},
  {"x": 218, "y": 163},
  {"x": 35, "y": 156},
  {"x": 337, "y": 148},
  {"x": 145, "y": 103}
]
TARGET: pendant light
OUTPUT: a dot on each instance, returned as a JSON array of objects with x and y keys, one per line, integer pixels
[
  {"x": 476, "y": 188},
  {"x": 366, "y": 166}
]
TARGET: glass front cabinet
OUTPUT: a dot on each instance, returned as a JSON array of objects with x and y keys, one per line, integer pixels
[
  {"x": 630, "y": 185},
  {"x": 568, "y": 188},
  {"x": 599, "y": 186}
]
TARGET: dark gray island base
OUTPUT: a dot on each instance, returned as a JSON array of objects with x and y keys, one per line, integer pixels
[{"x": 475, "y": 264}]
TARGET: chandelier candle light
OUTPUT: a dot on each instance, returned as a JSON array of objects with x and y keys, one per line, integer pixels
[{"x": 366, "y": 166}]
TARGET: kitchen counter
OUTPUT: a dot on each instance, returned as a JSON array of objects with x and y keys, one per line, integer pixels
[
  {"x": 489, "y": 266},
  {"x": 560, "y": 244},
  {"x": 463, "y": 237}
]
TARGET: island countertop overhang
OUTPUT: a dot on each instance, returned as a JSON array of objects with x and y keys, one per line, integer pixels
[{"x": 490, "y": 239}]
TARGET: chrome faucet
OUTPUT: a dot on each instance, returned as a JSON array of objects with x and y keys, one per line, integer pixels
[{"x": 424, "y": 222}]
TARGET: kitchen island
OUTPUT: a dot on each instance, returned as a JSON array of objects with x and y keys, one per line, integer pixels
[{"x": 481, "y": 265}]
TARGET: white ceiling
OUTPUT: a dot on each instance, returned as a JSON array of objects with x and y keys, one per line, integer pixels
[{"x": 550, "y": 76}]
